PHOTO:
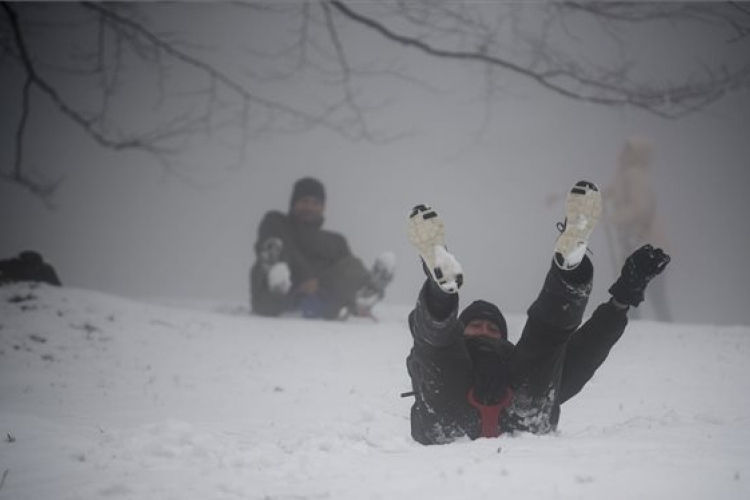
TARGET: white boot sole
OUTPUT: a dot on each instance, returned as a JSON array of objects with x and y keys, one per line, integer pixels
[
  {"x": 426, "y": 232},
  {"x": 583, "y": 207}
]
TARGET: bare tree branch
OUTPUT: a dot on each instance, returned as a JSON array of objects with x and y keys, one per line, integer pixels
[
  {"x": 42, "y": 189},
  {"x": 320, "y": 44},
  {"x": 153, "y": 142},
  {"x": 573, "y": 82},
  {"x": 217, "y": 76}
]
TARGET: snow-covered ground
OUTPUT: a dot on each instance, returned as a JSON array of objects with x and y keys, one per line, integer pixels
[{"x": 103, "y": 397}]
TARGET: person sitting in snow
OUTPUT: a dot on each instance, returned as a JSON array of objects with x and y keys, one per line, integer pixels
[
  {"x": 28, "y": 266},
  {"x": 301, "y": 267},
  {"x": 468, "y": 379}
]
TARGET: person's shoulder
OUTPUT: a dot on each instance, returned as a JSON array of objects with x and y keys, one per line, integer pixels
[
  {"x": 273, "y": 223},
  {"x": 334, "y": 234},
  {"x": 276, "y": 213},
  {"x": 274, "y": 216}
]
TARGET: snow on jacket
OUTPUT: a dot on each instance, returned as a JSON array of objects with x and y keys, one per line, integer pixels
[{"x": 441, "y": 367}]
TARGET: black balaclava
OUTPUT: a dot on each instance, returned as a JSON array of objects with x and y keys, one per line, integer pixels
[
  {"x": 492, "y": 376},
  {"x": 490, "y": 356}
]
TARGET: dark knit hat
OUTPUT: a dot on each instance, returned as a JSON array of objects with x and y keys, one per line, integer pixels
[
  {"x": 481, "y": 309},
  {"x": 308, "y": 186},
  {"x": 31, "y": 258}
]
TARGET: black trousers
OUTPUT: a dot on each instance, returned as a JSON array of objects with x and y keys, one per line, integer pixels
[{"x": 556, "y": 355}]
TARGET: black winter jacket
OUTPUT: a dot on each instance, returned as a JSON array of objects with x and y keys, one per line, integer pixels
[
  {"x": 310, "y": 252},
  {"x": 28, "y": 266},
  {"x": 552, "y": 361}
]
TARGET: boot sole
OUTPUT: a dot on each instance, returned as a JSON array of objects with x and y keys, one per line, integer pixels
[
  {"x": 426, "y": 231},
  {"x": 583, "y": 207}
]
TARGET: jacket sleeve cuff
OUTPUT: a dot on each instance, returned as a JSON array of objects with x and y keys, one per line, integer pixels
[{"x": 431, "y": 330}]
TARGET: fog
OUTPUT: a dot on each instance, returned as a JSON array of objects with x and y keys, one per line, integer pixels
[{"x": 123, "y": 224}]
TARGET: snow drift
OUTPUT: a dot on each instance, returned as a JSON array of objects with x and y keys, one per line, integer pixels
[{"x": 102, "y": 397}]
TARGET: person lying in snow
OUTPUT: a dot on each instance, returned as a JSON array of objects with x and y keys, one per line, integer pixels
[
  {"x": 28, "y": 266},
  {"x": 301, "y": 267},
  {"x": 468, "y": 380}
]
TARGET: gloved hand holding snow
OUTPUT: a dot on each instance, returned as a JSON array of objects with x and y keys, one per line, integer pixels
[{"x": 279, "y": 278}]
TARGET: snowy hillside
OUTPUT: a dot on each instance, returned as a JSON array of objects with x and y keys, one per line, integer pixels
[{"x": 107, "y": 398}]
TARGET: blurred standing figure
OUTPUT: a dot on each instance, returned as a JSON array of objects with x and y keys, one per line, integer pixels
[
  {"x": 301, "y": 267},
  {"x": 631, "y": 211}
]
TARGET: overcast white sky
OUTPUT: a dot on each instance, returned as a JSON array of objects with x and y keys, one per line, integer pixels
[{"x": 123, "y": 226}]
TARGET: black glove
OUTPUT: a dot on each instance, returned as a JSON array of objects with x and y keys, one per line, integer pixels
[{"x": 641, "y": 267}]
